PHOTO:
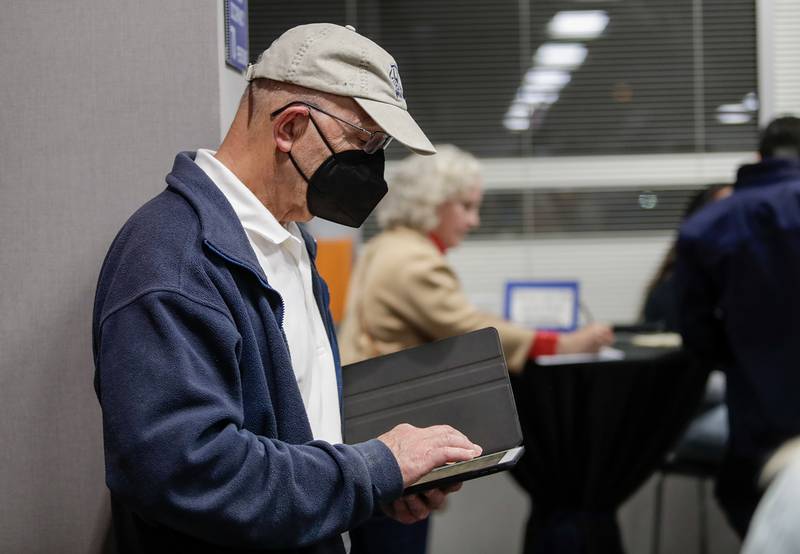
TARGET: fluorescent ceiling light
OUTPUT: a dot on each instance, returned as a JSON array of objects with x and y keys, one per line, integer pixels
[
  {"x": 736, "y": 114},
  {"x": 584, "y": 24},
  {"x": 561, "y": 55},
  {"x": 733, "y": 118},
  {"x": 545, "y": 80},
  {"x": 517, "y": 123},
  {"x": 731, "y": 108},
  {"x": 533, "y": 98},
  {"x": 519, "y": 110},
  {"x": 750, "y": 101}
]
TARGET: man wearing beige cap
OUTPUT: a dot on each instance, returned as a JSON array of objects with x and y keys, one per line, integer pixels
[{"x": 216, "y": 361}]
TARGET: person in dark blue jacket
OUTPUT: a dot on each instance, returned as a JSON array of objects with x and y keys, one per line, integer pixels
[
  {"x": 217, "y": 368},
  {"x": 737, "y": 278}
]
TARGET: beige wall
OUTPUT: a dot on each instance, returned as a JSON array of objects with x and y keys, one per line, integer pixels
[{"x": 96, "y": 98}]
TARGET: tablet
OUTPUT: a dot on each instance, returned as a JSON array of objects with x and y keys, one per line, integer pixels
[
  {"x": 464, "y": 471},
  {"x": 460, "y": 381}
]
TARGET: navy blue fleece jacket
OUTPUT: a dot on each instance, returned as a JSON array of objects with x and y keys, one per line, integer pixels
[{"x": 207, "y": 442}]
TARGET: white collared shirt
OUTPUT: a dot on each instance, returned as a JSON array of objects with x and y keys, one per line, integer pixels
[{"x": 283, "y": 257}]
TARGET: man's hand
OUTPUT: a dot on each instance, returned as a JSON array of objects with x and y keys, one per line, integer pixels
[
  {"x": 588, "y": 339},
  {"x": 417, "y": 452},
  {"x": 416, "y": 507}
]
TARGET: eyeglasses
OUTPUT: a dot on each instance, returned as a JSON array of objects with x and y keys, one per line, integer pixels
[{"x": 377, "y": 140}]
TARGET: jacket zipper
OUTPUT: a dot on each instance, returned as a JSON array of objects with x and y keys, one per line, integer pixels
[{"x": 264, "y": 284}]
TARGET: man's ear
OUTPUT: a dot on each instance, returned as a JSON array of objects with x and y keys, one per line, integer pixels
[{"x": 288, "y": 126}]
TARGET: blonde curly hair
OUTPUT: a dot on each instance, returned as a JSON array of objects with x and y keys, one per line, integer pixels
[{"x": 420, "y": 184}]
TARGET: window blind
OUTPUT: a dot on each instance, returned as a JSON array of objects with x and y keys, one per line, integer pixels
[
  {"x": 596, "y": 121},
  {"x": 540, "y": 79},
  {"x": 504, "y": 79}
]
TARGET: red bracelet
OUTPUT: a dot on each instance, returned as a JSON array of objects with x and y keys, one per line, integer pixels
[{"x": 544, "y": 343}]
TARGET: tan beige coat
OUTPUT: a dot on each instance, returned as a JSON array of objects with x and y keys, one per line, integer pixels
[{"x": 404, "y": 293}]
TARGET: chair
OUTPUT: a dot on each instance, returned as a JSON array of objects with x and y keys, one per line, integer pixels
[{"x": 698, "y": 454}]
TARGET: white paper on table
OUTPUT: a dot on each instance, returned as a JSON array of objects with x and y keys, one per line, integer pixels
[
  {"x": 657, "y": 340},
  {"x": 606, "y": 354}
]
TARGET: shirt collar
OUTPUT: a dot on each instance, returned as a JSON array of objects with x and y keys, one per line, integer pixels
[
  {"x": 438, "y": 242},
  {"x": 254, "y": 216},
  {"x": 769, "y": 171}
]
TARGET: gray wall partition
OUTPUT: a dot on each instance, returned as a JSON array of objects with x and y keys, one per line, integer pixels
[{"x": 96, "y": 97}]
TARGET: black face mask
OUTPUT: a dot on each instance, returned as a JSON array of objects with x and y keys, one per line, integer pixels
[{"x": 347, "y": 186}]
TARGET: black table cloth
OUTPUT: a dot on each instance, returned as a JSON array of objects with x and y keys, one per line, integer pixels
[{"x": 593, "y": 433}]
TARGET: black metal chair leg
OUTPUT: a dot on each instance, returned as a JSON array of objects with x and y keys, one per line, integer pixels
[
  {"x": 655, "y": 545},
  {"x": 702, "y": 517}
]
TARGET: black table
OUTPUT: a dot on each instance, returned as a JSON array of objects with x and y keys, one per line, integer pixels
[{"x": 593, "y": 433}]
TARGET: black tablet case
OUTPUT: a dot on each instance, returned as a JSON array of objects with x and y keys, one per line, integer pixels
[{"x": 461, "y": 381}]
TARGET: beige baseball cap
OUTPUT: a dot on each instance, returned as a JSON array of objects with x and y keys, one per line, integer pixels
[{"x": 335, "y": 59}]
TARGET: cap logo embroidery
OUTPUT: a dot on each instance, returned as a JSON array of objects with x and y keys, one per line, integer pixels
[{"x": 394, "y": 76}]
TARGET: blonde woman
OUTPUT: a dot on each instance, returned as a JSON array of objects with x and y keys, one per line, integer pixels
[{"x": 404, "y": 293}]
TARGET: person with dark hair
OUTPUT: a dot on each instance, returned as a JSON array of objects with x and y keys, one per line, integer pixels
[
  {"x": 660, "y": 309},
  {"x": 737, "y": 275},
  {"x": 781, "y": 139}
]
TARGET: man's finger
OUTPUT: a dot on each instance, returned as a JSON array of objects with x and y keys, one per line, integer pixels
[
  {"x": 449, "y": 436},
  {"x": 452, "y": 488},
  {"x": 433, "y": 498},
  {"x": 416, "y": 507},
  {"x": 398, "y": 510},
  {"x": 442, "y": 456}
]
